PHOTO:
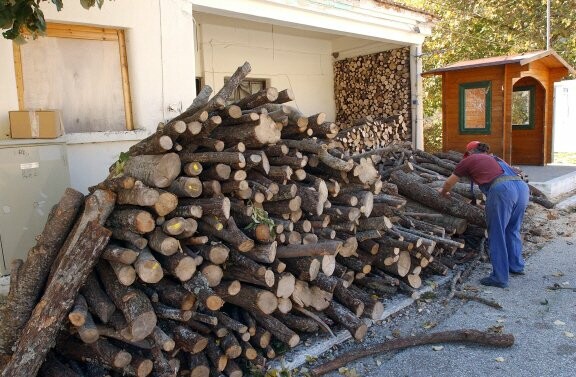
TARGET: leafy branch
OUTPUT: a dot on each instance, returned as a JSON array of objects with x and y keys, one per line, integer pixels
[
  {"x": 119, "y": 165},
  {"x": 259, "y": 216},
  {"x": 25, "y": 18}
]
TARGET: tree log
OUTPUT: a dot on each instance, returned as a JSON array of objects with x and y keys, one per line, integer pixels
[
  {"x": 409, "y": 187},
  {"x": 147, "y": 267},
  {"x": 452, "y": 336},
  {"x": 135, "y": 220},
  {"x": 98, "y": 301},
  {"x": 346, "y": 318},
  {"x": 277, "y": 329},
  {"x": 134, "y": 304},
  {"x": 310, "y": 250},
  {"x": 39, "y": 333},
  {"x": 26, "y": 289},
  {"x": 154, "y": 170},
  {"x": 253, "y": 299}
]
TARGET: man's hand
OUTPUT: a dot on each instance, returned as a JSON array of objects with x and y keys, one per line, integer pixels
[
  {"x": 444, "y": 193},
  {"x": 448, "y": 184}
]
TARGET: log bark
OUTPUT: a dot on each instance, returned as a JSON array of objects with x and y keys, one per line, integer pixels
[
  {"x": 205, "y": 295},
  {"x": 135, "y": 220},
  {"x": 147, "y": 267},
  {"x": 198, "y": 365},
  {"x": 97, "y": 299},
  {"x": 173, "y": 294},
  {"x": 102, "y": 351},
  {"x": 309, "y": 250},
  {"x": 253, "y": 299},
  {"x": 188, "y": 340},
  {"x": 114, "y": 184},
  {"x": 426, "y": 195},
  {"x": 140, "y": 196},
  {"x": 39, "y": 334},
  {"x": 277, "y": 329},
  {"x": 231, "y": 234},
  {"x": 134, "y": 304},
  {"x": 25, "y": 289},
  {"x": 216, "y": 356},
  {"x": 154, "y": 170},
  {"x": 119, "y": 254},
  {"x": 244, "y": 269},
  {"x": 252, "y": 135},
  {"x": 346, "y": 318},
  {"x": 453, "y": 336}
]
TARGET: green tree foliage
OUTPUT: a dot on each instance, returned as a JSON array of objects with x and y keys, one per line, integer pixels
[
  {"x": 25, "y": 16},
  {"x": 485, "y": 28}
]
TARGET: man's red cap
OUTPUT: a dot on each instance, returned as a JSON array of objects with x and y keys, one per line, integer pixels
[{"x": 471, "y": 145}]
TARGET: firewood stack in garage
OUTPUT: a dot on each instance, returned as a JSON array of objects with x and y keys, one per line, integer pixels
[{"x": 232, "y": 229}]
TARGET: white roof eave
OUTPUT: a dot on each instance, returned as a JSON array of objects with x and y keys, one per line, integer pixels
[{"x": 337, "y": 17}]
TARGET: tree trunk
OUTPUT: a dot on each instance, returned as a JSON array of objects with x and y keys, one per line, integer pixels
[
  {"x": 459, "y": 336},
  {"x": 426, "y": 195}
]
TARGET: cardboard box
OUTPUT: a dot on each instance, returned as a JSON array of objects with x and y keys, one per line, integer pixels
[{"x": 45, "y": 124}]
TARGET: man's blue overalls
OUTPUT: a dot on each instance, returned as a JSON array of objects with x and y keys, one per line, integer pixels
[{"x": 506, "y": 201}]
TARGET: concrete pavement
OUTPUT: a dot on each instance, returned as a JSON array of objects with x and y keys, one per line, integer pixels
[{"x": 543, "y": 322}]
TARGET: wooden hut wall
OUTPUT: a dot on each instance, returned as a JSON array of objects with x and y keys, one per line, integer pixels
[
  {"x": 451, "y": 81},
  {"x": 527, "y": 144}
]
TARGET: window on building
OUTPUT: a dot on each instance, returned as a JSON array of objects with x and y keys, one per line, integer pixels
[
  {"x": 475, "y": 107},
  {"x": 80, "y": 70},
  {"x": 246, "y": 88},
  {"x": 523, "y": 99},
  {"x": 199, "y": 84}
]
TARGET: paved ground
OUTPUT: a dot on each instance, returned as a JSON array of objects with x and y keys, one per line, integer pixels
[
  {"x": 543, "y": 322},
  {"x": 546, "y": 173}
]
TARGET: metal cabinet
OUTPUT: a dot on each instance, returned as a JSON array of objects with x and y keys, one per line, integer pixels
[{"x": 33, "y": 178}]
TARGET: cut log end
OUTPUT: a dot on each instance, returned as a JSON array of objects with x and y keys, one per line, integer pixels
[{"x": 143, "y": 325}]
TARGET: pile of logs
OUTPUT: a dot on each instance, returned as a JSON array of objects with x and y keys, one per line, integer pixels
[
  {"x": 231, "y": 227},
  {"x": 369, "y": 133}
]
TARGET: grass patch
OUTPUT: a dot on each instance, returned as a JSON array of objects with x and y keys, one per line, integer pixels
[{"x": 565, "y": 158}]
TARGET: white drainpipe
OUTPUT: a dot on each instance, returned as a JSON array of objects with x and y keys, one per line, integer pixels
[{"x": 416, "y": 98}]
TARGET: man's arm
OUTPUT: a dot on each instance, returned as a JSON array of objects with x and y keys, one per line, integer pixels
[{"x": 448, "y": 184}]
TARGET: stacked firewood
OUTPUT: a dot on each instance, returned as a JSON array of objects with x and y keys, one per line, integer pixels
[
  {"x": 372, "y": 133},
  {"x": 231, "y": 226},
  {"x": 376, "y": 85}
]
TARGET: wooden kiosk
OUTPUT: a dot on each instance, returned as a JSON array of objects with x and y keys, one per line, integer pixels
[{"x": 506, "y": 101}]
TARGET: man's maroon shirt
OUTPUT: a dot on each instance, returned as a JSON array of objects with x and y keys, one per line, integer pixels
[{"x": 482, "y": 168}]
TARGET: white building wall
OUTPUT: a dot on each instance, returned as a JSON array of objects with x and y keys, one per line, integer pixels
[
  {"x": 162, "y": 63},
  {"x": 300, "y": 63},
  {"x": 564, "y": 116},
  {"x": 160, "y": 54}
]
